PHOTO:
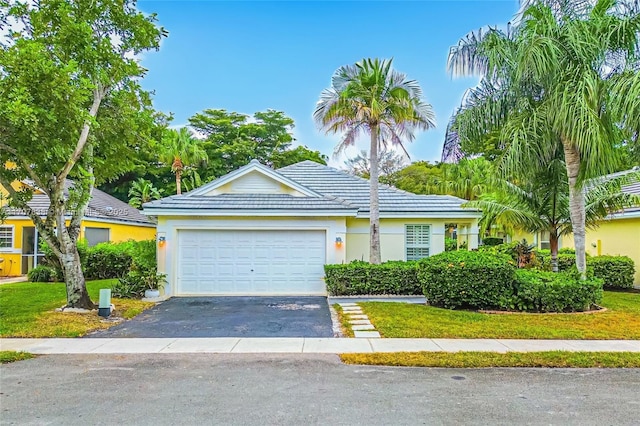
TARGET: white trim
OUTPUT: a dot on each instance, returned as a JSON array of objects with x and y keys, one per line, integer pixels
[
  {"x": 191, "y": 212},
  {"x": 254, "y": 165},
  {"x": 12, "y": 249},
  {"x": 624, "y": 215},
  {"x": 443, "y": 215}
]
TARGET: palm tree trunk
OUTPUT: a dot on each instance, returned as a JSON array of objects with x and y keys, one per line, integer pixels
[
  {"x": 178, "y": 182},
  {"x": 576, "y": 205},
  {"x": 553, "y": 243},
  {"x": 374, "y": 209}
]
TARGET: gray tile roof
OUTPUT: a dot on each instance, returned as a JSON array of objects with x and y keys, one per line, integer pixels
[
  {"x": 102, "y": 207},
  {"x": 327, "y": 180},
  {"x": 335, "y": 191},
  {"x": 249, "y": 202}
]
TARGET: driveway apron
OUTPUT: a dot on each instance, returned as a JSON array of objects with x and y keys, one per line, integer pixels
[{"x": 229, "y": 317}]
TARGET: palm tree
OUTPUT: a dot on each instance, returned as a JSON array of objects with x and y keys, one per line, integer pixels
[
  {"x": 540, "y": 203},
  {"x": 181, "y": 149},
  {"x": 561, "y": 70},
  {"x": 142, "y": 191},
  {"x": 468, "y": 179},
  {"x": 370, "y": 97}
]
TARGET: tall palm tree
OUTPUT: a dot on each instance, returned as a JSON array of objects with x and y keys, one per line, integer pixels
[
  {"x": 562, "y": 69},
  {"x": 180, "y": 149},
  {"x": 142, "y": 191},
  {"x": 370, "y": 97}
]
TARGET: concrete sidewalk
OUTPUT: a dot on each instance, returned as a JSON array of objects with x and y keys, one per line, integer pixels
[{"x": 306, "y": 345}]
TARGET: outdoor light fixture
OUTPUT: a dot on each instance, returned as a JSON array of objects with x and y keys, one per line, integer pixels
[
  {"x": 161, "y": 240},
  {"x": 338, "y": 241}
]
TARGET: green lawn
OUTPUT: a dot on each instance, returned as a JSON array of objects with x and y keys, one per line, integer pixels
[
  {"x": 28, "y": 310},
  {"x": 621, "y": 321},
  {"x": 553, "y": 359}
]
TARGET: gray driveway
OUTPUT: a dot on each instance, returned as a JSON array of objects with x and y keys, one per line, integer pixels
[{"x": 230, "y": 317}]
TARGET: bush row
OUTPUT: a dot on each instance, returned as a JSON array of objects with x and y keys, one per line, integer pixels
[
  {"x": 481, "y": 280},
  {"x": 364, "y": 278},
  {"x": 133, "y": 263}
]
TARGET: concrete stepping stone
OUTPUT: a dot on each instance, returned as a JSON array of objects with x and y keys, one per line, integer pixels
[
  {"x": 359, "y": 322},
  {"x": 358, "y": 317},
  {"x": 363, "y": 327},
  {"x": 344, "y": 305},
  {"x": 366, "y": 334},
  {"x": 351, "y": 308}
]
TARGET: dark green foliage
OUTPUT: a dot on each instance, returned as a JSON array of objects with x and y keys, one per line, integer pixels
[
  {"x": 450, "y": 244},
  {"x": 615, "y": 271},
  {"x": 566, "y": 261},
  {"x": 360, "y": 277},
  {"x": 492, "y": 241},
  {"x": 107, "y": 260},
  {"x": 539, "y": 291},
  {"x": 464, "y": 279},
  {"x": 128, "y": 287},
  {"x": 41, "y": 274}
]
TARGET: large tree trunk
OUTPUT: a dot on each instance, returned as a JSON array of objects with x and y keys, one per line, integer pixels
[
  {"x": 77, "y": 295},
  {"x": 553, "y": 243},
  {"x": 374, "y": 208},
  {"x": 576, "y": 205}
]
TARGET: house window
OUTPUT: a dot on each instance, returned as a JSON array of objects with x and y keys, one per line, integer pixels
[
  {"x": 96, "y": 235},
  {"x": 544, "y": 240},
  {"x": 6, "y": 236},
  {"x": 416, "y": 243}
]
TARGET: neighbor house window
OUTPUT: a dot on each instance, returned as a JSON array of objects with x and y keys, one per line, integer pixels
[
  {"x": 6, "y": 236},
  {"x": 544, "y": 240},
  {"x": 96, "y": 235},
  {"x": 417, "y": 238}
]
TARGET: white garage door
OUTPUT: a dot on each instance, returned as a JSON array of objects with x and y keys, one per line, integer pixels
[{"x": 250, "y": 262}]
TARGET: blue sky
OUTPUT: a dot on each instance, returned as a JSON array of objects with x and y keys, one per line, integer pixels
[{"x": 249, "y": 56}]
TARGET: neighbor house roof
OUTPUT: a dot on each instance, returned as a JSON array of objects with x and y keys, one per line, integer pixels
[
  {"x": 320, "y": 190},
  {"x": 631, "y": 186},
  {"x": 102, "y": 206}
]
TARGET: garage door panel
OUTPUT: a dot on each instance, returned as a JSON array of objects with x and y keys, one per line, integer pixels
[{"x": 251, "y": 262}]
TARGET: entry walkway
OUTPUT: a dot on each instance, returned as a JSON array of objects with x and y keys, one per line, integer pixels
[{"x": 305, "y": 345}]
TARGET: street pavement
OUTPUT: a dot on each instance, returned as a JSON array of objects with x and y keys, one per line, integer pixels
[{"x": 285, "y": 389}]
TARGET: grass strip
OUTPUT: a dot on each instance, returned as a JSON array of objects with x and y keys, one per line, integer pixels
[
  {"x": 12, "y": 356},
  {"x": 547, "y": 359},
  {"x": 345, "y": 326},
  {"x": 28, "y": 310},
  {"x": 406, "y": 320}
]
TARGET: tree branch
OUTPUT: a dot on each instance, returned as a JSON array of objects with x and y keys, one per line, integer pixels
[{"x": 98, "y": 95}]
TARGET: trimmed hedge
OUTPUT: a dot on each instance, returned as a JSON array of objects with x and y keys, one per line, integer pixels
[
  {"x": 539, "y": 291},
  {"x": 566, "y": 261},
  {"x": 492, "y": 241},
  {"x": 107, "y": 260},
  {"x": 615, "y": 271},
  {"x": 463, "y": 279},
  {"x": 357, "y": 277}
]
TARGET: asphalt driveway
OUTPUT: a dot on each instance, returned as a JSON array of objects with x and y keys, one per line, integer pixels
[{"x": 230, "y": 317}]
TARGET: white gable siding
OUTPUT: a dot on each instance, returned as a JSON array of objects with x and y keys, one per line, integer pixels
[{"x": 254, "y": 183}]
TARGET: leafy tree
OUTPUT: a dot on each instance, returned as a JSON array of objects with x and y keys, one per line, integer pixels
[
  {"x": 389, "y": 163},
  {"x": 370, "y": 97},
  {"x": 568, "y": 74},
  {"x": 181, "y": 150},
  {"x": 419, "y": 177},
  {"x": 142, "y": 191},
  {"x": 233, "y": 140},
  {"x": 71, "y": 106}
]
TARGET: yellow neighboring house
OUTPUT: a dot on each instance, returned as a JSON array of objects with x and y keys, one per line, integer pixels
[
  {"x": 106, "y": 219},
  {"x": 617, "y": 235}
]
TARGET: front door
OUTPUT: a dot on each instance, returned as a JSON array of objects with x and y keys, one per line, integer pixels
[{"x": 31, "y": 253}]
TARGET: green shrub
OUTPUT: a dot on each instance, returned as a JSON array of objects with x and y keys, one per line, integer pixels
[
  {"x": 359, "y": 277},
  {"x": 128, "y": 287},
  {"x": 41, "y": 274},
  {"x": 450, "y": 244},
  {"x": 566, "y": 261},
  {"x": 462, "y": 279},
  {"x": 615, "y": 271},
  {"x": 492, "y": 241},
  {"x": 540, "y": 291},
  {"x": 107, "y": 260}
]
